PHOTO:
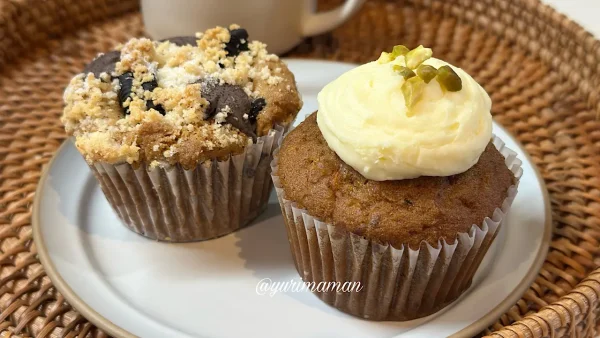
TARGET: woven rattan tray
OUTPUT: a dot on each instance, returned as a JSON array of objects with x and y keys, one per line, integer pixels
[{"x": 541, "y": 69}]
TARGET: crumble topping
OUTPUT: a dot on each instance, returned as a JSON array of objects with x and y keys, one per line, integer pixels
[
  {"x": 184, "y": 100},
  {"x": 221, "y": 116}
]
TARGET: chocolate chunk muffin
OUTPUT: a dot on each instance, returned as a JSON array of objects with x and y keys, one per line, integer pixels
[
  {"x": 180, "y": 132},
  {"x": 395, "y": 185}
]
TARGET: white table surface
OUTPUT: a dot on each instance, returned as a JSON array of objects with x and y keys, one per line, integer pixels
[{"x": 585, "y": 12}]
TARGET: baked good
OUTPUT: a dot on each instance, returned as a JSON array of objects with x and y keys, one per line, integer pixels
[
  {"x": 396, "y": 183},
  {"x": 179, "y": 133}
]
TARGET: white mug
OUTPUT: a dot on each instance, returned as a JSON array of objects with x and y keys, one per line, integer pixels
[{"x": 281, "y": 24}]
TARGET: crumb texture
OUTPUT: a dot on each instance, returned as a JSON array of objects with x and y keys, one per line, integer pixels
[
  {"x": 182, "y": 100},
  {"x": 396, "y": 212}
]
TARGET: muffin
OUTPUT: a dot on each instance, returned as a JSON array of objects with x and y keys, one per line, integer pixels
[
  {"x": 396, "y": 183},
  {"x": 179, "y": 133}
]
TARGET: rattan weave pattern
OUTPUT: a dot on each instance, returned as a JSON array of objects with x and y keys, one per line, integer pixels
[{"x": 542, "y": 70}]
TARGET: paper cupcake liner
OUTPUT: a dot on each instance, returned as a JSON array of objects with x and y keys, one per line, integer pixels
[
  {"x": 397, "y": 283},
  {"x": 177, "y": 205}
]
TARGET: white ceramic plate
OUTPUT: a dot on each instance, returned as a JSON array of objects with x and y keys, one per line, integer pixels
[{"x": 129, "y": 285}]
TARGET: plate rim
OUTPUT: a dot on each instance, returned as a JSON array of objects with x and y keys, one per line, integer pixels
[{"x": 114, "y": 330}]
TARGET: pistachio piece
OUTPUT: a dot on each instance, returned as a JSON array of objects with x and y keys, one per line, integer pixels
[
  {"x": 427, "y": 72},
  {"x": 399, "y": 50},
  {"x": 412, "y": 90},
  {"x": 406, "y": 72},
  {"x": 384, "y": 57},
  {"x": 416, "y": 56},
  {"x": 448, "y": 79}
]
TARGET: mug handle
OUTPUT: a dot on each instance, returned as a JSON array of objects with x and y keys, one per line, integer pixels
[{"x": 317, "y": 23}]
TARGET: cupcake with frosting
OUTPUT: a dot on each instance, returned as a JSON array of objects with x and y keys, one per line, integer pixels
[
  {"x": 397, "y": 183},
  {"x": 180, "y": 132}
]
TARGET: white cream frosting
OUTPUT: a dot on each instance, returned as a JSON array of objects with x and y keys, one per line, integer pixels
[{"x": 363, "y": 117}]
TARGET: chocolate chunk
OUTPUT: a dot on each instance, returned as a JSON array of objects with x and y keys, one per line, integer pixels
[
  {"x": 220, "y": 96},
  {"x": 149, "y": 86},
  {"x": 182, "y": 40},
  {"x": 125, "y": 82},
  {"x": 255, "y": 108},
  {"x": 103, "y": 63},
  {"x": 159, "y": 108},
  {"x": 238, "y": 42}
]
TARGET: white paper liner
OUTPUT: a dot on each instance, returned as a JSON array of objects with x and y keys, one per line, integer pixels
[
  {"x": 177, "y": 205},
  {"x": 398, "y": 283}
]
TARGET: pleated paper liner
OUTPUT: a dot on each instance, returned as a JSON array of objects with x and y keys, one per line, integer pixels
[
  {"x": 397, "y": 283},
  {"x": 177, "y": 205}
]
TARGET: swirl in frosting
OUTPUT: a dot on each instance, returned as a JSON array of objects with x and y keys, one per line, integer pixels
[{"x": 364, "y": 119}]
